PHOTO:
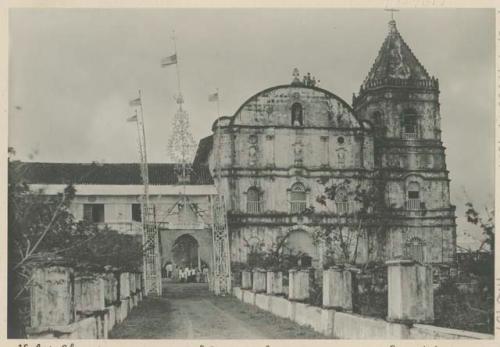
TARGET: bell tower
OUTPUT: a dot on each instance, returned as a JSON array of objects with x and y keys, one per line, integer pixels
[{"x": 401, "y": 100}]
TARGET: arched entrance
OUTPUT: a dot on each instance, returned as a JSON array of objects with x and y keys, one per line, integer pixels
[
  {"x": 300, "y": 242},
  {"x": 185, "y": 252}
]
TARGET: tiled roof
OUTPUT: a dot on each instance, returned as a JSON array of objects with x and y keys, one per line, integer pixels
[
  {"x": 203, "y": 151},
  {"x": 396, "y": 64},
  {"x": 94, "y": 173}
]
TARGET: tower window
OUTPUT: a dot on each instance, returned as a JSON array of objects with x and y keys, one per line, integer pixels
[
  {"x": 410, "y": 126},
  {"x": 253, "y": 200},
  {"x": 414, "y": 249},
  {"x": 413, "y": 196},
  {"x": 298, "y": 198},
  {"x": 297, "y": 115}
]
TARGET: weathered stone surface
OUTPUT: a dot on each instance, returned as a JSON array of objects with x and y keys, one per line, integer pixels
[
  {"x": 337, "y": 289},
  {"x": 430, "y": 332},
  {"x": 279, "y": 306},
  {"x": 248, "y": 297},
  {"x": 132, "y": 278},
  {"x": 410, "y": 291},
  {"x": 308, "y": 315},
  {"x": 52, "y": 297},
  {"x": 353, "y": 326},
  {"x": 124, "y": 285},
  {"x": 110, "y": 288},
  {"x": 262, "y": 301},
  {"x": 259, "y": 281},
  {"x": 246, "y": 280},
  {"x": 298, "y": 285},
  {"x": 274, "y": 283},
  {"x": 89, "y": 294}
]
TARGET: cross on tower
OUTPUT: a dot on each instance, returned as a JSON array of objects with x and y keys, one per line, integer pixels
[{"x": 392, "y": 10}]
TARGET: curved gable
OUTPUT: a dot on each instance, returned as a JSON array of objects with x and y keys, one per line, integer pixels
[{"x": 314, "y": 107}]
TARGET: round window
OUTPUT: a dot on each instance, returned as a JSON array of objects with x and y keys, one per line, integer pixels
[{"x": 340, "y": 140}]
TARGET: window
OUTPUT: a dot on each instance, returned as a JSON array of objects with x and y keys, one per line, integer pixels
[
  {"x": 93, "y": 213},
  {"x": 341, "y": 158},
  {"x": 413, "y": 196},
  {"x": 253, "y": 200},
  {"x": 410, "y": 126},
  {"x": 325, "y": 153},
  {"x": 136, "y": 213},
  {"x": 298, "y": 198},
  {"x": 414, "y": 249},
  {"x": 297, "y": 118},
  {"x": 342, "y": 201}
]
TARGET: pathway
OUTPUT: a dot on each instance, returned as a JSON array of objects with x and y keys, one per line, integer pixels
[{"x": 190, "y": 311}]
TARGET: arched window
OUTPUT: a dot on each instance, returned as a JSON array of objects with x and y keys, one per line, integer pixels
[
  {"x": 410, "y": 125},
  {"x": 298, "y": 198},
  {"x": 342, "y": 201},
  {"x": 297, "y": 116},
  {"x": 413, "y": 196},
  {"x": 414, "y": 249},
  {"x": 253, "y": 200},
  {"x": 341, "y": 158}
]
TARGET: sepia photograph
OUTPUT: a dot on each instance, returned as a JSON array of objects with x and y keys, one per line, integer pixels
[{"x": 251, "y": 173}]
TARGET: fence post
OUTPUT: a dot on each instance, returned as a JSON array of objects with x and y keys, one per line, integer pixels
[
  {"x": 338, "y": 289},
  {"x": 259, "y": 281},
  {"x": 410, "y": 292},
  {"x": 133, "y": 296},
  {"x": 298, "y": 285},
  {"x": 52, "y": 301},
  {"x": 246, "y": 279},
  {"x": 124, "y": 285},
  {"x": 274, "y": 283},
  {"x": 89, "y": 294}
]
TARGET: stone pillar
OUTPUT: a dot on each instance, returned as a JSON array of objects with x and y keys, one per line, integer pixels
[
  {"x": 298, "y": 285},
  {"x": 410, "y": 292},
  {"x": 52, "y": 297},
  {"x": 89, "y": 294},
  {"x": 124, "y": 285},
  {"x": 274, "y": 283},
  {"x": 110, "y": 288},
  {"x": 259, "y": 281},
  {"x": 132, "y": 282},
  {"x": 246, "y": 279},
  {"x": 338, "y": 289}
]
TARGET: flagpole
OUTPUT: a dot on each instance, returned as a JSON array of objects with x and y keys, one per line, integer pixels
[
  {"x": 145, "y": 163},
  {"x": 177, "y": 63}
]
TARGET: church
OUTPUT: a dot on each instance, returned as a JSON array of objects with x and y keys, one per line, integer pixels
[
  {"x": 297, "y": 162},
  {"x": 273, "y": 159}
]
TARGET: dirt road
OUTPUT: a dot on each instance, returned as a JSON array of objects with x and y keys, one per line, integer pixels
[{"x": 189, "y": 311}]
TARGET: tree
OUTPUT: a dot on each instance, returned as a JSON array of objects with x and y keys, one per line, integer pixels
[
  {"x": 363, "y": 216},
  {"x": 42, "y": 231},
  {"x": 486, "y": 222}
]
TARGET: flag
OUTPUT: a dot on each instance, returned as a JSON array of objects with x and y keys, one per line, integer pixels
[
  {"x": 135, "y": 102},
  {"x": 132, "y": 119},
  {"x": 169, "y": 60},
  {"x": 213, "y": 97}
]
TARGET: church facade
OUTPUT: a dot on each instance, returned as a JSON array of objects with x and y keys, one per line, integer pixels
[{"x": 296, "y": 161}]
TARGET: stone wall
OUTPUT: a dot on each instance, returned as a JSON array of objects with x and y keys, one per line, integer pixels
[
  {"x": 410, "y": 302},
  {"x": 68, "y": 305}
]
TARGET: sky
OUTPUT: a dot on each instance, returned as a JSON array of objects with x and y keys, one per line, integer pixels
[{"x": 72, "y": 73}]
